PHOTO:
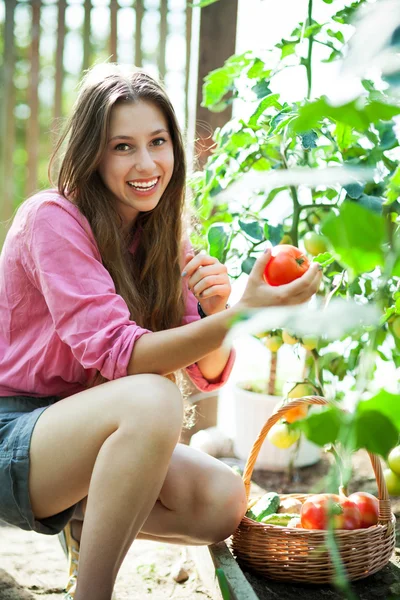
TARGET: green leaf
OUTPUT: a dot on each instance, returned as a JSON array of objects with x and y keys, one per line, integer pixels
[
  {"x": 253, "y": 229},
  {"x": 203, "y": 3},
  {"x": 287, "y": 47},
  {"x": 271, "y": 196},
  {"x": 308, "y": 139},
  {"x": 262, "y": 89},
  {"x": 324, "y": 259},
  {"x": 373, "y": 203},
  {"x": 354, "y": 190},
  {"x": 248, "y": 264},
  {"x": 321, "y": 428},
  {"x": 352, "y": 114},
  {"x": 271, "y": 100},
  {"x": 223, "y": 584},
  {"x": 262, "y": 165},
  {"x": 258, "y": 70},
  {"x": 375, "y": 432},
  {"x": 393, "y": 189},
  {"x": 386, "y": 403},
  {"x": 343, "y": 135},
  {"x": 218, "y": 240},
  {"x": 328, "y": 1},
  {"x": 357, "y": 236},
  {"x": 275, "y": 234}
]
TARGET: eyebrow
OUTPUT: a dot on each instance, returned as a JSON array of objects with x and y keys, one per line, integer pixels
[{"x": 128, "y": 137}]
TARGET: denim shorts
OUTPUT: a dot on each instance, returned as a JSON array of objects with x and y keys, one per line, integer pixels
[{"x": 18, "y": 417}]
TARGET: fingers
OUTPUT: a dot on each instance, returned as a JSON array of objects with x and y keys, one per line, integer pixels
[
  {"x": 260, "y": 264},
  {"x": 302, "y": 289},
  {"x": 195, "y": 262}
]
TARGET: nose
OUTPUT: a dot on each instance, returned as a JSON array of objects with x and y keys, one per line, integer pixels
[{"x": 144, "y": 161}]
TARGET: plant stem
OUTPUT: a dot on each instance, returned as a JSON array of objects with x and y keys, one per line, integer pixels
[{"x": 272, "y": 373}]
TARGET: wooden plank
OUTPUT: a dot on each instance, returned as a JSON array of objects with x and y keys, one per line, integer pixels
[
  {"x": 218, "y": 556},
  {"x": 162, "y": 46},
  {"x": 113, "y": 30},
  {"x": 7, "y": 118},
  {"x": 189, "y": 21},
  {"x": 139, "y": 14},
  {"x": 217, "y": 43},
  {"x": 32, "y": 134},
  {"x": 59, "y": 78},
  {"x": 86, "y": 35}
]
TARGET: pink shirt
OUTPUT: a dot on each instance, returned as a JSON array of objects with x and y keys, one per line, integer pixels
[{"x": 60, "y": 316}]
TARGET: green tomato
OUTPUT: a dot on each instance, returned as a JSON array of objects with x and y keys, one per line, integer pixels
[
  {"x": 314, "y": 243},
  {"x": 394, "y": 460},
  {"x": 300, "y": 390},
  {"x": 273, "y": 343},
  {"x": 392, "y": 482},
  {"x": 396, "y": 327},
  {"x": 288, "y": 339},
  {"x": 280, "y": 436},
  {"x": 309, "y": 342}
]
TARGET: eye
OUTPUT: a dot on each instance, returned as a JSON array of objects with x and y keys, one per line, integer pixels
[
  {"x": 158, "y": 141},
  {"x": 121, "y": 147}
]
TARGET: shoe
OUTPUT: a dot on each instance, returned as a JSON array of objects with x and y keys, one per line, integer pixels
[{"x": 71, "y": 550}]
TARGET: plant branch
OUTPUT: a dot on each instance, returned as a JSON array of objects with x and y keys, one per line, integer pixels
[{"x": 309, "y": 54}]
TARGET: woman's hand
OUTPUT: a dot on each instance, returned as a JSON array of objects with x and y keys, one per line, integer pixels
[
  {"x": 208, "y": 280},
  {"x": 258, "y": 293}
]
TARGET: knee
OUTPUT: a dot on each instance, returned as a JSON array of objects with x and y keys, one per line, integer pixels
[
  {"x": 154, "y": 403},
  {"x": 225, "y": 503}
]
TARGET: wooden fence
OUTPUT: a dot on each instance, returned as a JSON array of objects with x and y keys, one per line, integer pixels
[{"x": 47, "y": 44}]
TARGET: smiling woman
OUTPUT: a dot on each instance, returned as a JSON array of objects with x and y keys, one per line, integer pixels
[{"x": 100, "y": 293}]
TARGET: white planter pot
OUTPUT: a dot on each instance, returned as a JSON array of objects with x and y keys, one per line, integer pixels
[{"x": 252, "y": 410}]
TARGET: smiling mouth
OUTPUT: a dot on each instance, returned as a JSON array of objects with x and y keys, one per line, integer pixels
[{"x": 143, "y": 186}]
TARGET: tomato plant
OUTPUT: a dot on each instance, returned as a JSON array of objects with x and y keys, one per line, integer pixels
[
  {"x": 315, "y": 243},
  {"x": 286, "y": 264},
  {"x": 281, "y": 436},
  {"x": 393, "y": 460}
]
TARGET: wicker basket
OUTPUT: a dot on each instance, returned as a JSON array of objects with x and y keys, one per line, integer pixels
[{"x": 301, "y": 555}]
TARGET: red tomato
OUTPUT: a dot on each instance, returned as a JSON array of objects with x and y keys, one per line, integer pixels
[
  {"x": 294, "y": 414},
  {"x": 286, "y": 264},
  {"x": 368, "y": 505},
  {"x": 316, "y": 509}
]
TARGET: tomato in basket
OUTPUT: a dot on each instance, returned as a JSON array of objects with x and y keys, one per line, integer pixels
[{"x": 317, "y": 509}]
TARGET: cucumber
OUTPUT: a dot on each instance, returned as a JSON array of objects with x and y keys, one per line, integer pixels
[
  {"x": 267, "y": 505},
  {"x": 281, "y": 519}
]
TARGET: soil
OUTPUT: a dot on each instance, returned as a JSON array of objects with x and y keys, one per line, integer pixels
[{"x": 33, "y": 567}]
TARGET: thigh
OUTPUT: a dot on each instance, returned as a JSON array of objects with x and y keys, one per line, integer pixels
[{"x": 69, "y": 434}]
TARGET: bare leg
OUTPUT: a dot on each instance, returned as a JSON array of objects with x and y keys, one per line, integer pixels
[
  {"x": 113, "y": 444},
  {"x": 201, "y": 501}
]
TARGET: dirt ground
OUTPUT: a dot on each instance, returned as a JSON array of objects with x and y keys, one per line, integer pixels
[{"x": 32, "y": 566}]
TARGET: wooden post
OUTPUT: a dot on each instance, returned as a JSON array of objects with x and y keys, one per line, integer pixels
[
  {"x": 113, "y": 30},
  {"x": 162, "y": 46},
  {"x": 33, "y": 129},
  {"x": 86, "y": 35},
  {"x": 139, "y": 13},
  {"x": 217, "y": 43},
  {"x": 58, "y": 95},
  {"x": 7, "y": 121},
  {"x": 189, "y": 20}
]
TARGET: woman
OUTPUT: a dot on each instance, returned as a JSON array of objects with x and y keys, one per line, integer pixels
[{"x": 99, "y": 299}]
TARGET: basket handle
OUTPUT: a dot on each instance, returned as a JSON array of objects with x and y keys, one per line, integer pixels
[{"x": 385, "y": 513}]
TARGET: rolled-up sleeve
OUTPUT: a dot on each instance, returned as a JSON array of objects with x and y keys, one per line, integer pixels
[
  {"x": 88, "y": 315},
  {"x": 193, "y": 371}
]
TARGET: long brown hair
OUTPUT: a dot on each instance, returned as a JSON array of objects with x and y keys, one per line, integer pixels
[{"x": 149, "y": 281}]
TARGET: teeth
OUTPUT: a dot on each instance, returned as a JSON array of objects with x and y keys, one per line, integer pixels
[{"x": 143, "y": 186}]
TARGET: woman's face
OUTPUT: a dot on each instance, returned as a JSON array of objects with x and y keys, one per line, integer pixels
[{"x": 139, "y": 159}]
